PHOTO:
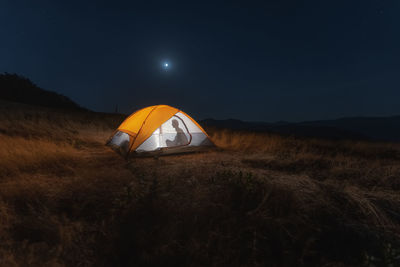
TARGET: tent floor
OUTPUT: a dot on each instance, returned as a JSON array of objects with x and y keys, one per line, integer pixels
[{"x": 172, "y": 151}]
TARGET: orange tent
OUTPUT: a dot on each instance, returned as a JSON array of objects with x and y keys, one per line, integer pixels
[{"x": 158, "y": 129}]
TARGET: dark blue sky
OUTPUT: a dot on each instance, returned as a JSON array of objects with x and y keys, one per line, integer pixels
[{"x": 270, "y": 60}]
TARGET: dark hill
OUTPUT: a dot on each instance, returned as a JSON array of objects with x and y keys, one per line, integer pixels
[
  {"x": 356, "y": 128},
  {"x": 19, "y": 89},
  {"x": 377, "y": 128}
]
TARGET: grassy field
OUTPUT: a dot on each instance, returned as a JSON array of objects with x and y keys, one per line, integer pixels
[{"x": 259, "y": 199}]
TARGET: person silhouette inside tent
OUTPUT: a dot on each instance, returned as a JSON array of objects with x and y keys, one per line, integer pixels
[{"x": 180, "y": 138}]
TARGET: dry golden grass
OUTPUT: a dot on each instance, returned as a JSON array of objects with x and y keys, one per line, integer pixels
[
  {"x": 67, "y": 200},
  {"x": 19, "y": 154}
]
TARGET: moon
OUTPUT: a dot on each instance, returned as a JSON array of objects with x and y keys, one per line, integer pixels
[{"x": 166, "y": 65}]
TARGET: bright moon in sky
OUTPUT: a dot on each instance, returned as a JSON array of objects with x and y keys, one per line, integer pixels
[{"x": 165, "y": 66}]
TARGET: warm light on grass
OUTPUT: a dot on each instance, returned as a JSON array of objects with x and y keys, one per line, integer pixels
[{"x": 66, "y": 199}]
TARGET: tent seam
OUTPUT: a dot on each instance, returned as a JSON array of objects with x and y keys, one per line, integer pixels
[{"x": 140, "y": 129}]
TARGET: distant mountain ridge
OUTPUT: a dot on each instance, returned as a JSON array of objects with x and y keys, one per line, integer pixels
[
  {"x": 353, "y": 128},
  {"x": 18, "y": 89},
  {"x": 15, "y": 88}
]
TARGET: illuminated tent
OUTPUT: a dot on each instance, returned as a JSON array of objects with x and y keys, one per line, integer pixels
[{"x": 158, "y": 129}]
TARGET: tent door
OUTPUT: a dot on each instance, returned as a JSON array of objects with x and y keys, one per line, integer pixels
[{"x": 175, "y": 133}]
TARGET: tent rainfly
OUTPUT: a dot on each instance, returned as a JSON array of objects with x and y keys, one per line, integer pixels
[{"x": 156, "y": 130}]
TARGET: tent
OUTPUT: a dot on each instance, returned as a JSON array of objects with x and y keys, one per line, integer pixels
[{"x": 156, "y": 130}]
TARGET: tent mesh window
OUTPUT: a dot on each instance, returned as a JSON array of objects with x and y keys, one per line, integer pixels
[
  {"x": 172, "y": 133},
  {"x": 120, "y": 142},
  {"x": 169, "y": 136}
]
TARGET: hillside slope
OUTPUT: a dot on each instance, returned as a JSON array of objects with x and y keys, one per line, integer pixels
[{"x": 18, "y": 89}]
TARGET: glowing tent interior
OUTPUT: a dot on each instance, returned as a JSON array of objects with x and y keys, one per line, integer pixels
[{"x": 158, "y": 129}]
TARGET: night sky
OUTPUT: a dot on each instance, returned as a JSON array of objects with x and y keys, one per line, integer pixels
[{"x": 256, "y": 61}]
